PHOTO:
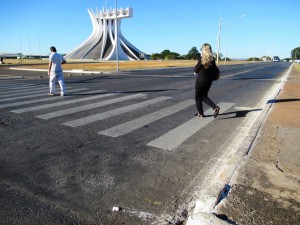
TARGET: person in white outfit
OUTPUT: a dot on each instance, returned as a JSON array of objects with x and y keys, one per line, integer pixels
[{"x": 55, "y": 72}]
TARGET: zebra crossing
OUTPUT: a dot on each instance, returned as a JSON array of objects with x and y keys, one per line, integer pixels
[{"x": 25, "y": 98}]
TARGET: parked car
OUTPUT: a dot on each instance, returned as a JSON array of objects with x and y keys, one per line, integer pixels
[{"x": 276, "y": 59}]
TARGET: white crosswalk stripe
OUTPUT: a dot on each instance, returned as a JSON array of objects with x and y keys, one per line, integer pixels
[
  {"x": 22, "y": 97},
  {"x": 168, "y": 141},
  {"x": 132, "y": 125},
  {"x": 17, "y": 87},
  {"x": 9, "y": 85},
  {"x": 21, "y": 92},
  {"x": 46, "y": 106},
  {"x": 89, "y": 106},
  {"x": 47, "y": 99},
  {"x": 28, "y": 95},
  {"x": 21, "y": 89},
  {"x": 175, "y": 137},
  {"x": 115, "y": 112}
]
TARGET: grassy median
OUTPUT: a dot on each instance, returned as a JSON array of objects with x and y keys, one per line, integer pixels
[{"x": 109, "y": 65}]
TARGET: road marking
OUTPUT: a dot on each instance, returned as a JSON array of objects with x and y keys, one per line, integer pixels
[
  {"x": 23, "y": 97},
  {"x": 175, "y": 137},
  {"x": 22, "y": 92},
  {"x": 246, "y": 71},
  {"x": 24, "y": 89},
  {"x": 132, "y": 125},
  {"x": 61, "y": 103},
  {"x": 87, "y": 107},
  {"x": 14, "y": 84},
  {"x": 2, "y": 89},
  {"x": 38, "y": 100},
  {"x": 115, "y": 112}
]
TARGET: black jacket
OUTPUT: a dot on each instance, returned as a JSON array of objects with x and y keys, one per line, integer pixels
[{"x": 211, "y": 73}]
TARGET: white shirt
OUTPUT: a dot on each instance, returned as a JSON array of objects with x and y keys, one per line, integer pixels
[{"x": 56, "y": 60}]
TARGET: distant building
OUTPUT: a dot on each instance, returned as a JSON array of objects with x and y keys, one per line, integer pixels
[
  {"x": 10, "y": 55},
  {"x": 102, "y": 43}
]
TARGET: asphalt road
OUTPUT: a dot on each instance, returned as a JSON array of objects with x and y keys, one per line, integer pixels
[{"x": 127, "y": 139}]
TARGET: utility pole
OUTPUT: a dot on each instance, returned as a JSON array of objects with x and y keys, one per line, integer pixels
[
  {"x": 39, "y": 47},
  {"x": 219, "y": 34},
  {"x": 116, "y": 35},
  {"x": 228, "y": 26}
]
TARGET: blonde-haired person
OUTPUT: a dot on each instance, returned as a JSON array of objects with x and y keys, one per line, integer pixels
[{"x": 206, "y": 71}]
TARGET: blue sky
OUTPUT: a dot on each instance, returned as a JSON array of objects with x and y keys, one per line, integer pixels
[{"x": 270, "y": 27}]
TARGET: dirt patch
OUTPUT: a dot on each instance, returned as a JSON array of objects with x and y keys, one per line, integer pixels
[{"x": 246, "y": 205}]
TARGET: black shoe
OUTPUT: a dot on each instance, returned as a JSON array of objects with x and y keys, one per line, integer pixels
[
  {"x": 199, "y": 115},
  {"x": 217, "y": 110}
]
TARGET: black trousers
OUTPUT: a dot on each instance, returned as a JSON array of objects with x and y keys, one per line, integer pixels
[{"x": 201, "y": 95}]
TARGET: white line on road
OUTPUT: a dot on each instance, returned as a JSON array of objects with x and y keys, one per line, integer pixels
[
  {"x": 14, "y": 85},
  {"x": 246, "y": 71},
  {"x": 87, "y": 107},
  {"x": 22, "y": 92},
  {"x": 128, "y": 127},
  {"x": 115, "y": 112},
  {"x": 37, "y": 100},
  {"x": 175, "y": 137},
  {"x": 17, "y": 87},
  {"x": 24, "y": 97},
  {"x": 61, "y": 103}
]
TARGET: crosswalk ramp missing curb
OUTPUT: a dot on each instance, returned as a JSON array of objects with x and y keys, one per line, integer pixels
[{"x": 168, "y": 141}]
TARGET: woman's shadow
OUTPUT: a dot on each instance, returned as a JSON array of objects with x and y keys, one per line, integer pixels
[
  {"x": 238, "y": 113},
  {"x": 243, "y": 113}
]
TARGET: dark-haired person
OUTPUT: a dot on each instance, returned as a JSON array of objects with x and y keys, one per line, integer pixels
[
  {"x": 206, "y": 71},
  {"x": 55, "y": 72}
]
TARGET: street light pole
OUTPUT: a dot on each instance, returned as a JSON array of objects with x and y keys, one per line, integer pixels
[
  {"x": 219, "y": 34},
  {"x": 116, "y": 35},
  {"x": 228, "y": 26},
  {"x": 226, "y": 44}
]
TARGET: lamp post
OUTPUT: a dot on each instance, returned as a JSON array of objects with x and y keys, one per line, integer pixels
[
  {"x": 228, "y": 26},
  {"x": 116, "y": 35},
  {"x": 219, "y": 34}
]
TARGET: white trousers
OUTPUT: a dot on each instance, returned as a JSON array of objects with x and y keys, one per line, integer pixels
[{"x": 60, "y": 78}]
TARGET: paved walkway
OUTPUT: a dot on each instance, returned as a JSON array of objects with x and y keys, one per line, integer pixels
[{"x": 265, "y": 189}]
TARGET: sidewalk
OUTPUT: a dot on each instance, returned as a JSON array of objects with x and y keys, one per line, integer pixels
[{"x": 265, "y": 189}]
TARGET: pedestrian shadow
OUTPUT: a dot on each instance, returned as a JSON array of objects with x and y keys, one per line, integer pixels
[
  {"x": 235, "y": 114},
  {"x": 238, "y": 113},
  {"x": 271, "y": 101}
]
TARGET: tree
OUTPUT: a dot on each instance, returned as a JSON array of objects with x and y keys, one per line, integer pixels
[
  {"x": 165, "y": 53},
  {"x": 220, "y": 56},
  {"x": 253, "y": 59},
  {"x": 193, "y": 53},
  {"x": 172, "y": 55},
  {"x": 295, "y": 53},
  {"x": 156, "y": 56}
]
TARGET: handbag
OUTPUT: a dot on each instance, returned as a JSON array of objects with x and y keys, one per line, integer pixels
[
  {"x": 217, "y": 72},
  {"x": 217, "y": 75}
]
